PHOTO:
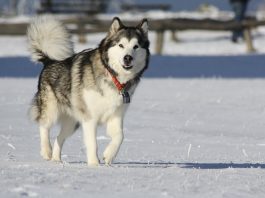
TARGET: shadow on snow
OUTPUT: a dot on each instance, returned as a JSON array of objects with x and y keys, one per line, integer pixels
[
  {"x": 188, "y": 165},
  {"x": 250, "y": 66}
]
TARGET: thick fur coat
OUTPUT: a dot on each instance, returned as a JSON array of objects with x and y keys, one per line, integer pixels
[{"x": 80, "y": 89}]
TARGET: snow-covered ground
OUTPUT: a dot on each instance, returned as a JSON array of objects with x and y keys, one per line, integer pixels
[{"x": 183, "y": 138}]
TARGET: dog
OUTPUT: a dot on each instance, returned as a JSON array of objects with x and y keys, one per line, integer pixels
[{"x": 88, "y": 88}]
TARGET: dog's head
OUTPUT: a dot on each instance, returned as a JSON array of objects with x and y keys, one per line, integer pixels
[{"x": 125, "y": 50}]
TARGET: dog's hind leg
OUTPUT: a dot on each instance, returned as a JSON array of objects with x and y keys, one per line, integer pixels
[
  {"x": 48, "y": 109},
  {"x": 68, "y": 127},
  {"x": 46, "y": 149},
  {"x": 114, "y": 130}
]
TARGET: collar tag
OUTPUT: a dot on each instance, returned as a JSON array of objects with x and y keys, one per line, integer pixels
[
  {"x": 122, "y": 89},
  {"x": 126, "y": 97}
]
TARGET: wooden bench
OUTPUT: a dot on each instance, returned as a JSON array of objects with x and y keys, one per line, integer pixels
[
  {"x": 160, "y": 26},
  {"x": 66, "y": 6},
  {"x": 145, "y": 7},
  {"x": 88, "y": 7},
  {"x": 205, "y": 24}
]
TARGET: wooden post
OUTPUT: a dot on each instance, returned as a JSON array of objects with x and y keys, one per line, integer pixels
[
  {"x": 159, "y": 41},
  {"x": 248, "y": 40},
  {"x": 81, "y": 32},
  {"x": 174, "y": 36}
]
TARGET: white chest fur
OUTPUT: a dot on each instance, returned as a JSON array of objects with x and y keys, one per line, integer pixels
[{"x": 101, "y": 105}]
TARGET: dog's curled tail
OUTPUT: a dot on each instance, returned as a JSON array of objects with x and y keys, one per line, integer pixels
[{"x": 48, "y": 40}]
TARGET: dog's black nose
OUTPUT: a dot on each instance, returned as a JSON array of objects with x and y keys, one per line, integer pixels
[{"x": 127, "y": 59}]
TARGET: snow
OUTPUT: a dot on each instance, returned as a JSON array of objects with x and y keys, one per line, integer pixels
[
  {"x": 16, "y": 19},
  {"x": 183, "y": 138},
  {"x": 213, "y": 14},
  {"x": 195, "y": 127},
  {"x": 131, "y": 15}
]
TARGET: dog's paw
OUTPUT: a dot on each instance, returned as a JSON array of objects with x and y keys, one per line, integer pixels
[
  {"x": 46, "y": 154},
  {"x": 107, "y": 159},
  {"x": 93, "y": 163},
  {"x": 108, "y": 155},
  {"x": 56, "y": 159},
  {"x": 56, "y": 155}
]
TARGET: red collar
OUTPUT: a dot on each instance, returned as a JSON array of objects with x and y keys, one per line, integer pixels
[
  {"x": 123, "y": 88},
  {"x": 117, "y": 83},
  {"x": 119, "y": 86}
]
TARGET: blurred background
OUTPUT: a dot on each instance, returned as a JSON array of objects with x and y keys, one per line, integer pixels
[
  {"x": 30, "y": 6},
  {"x": 183, "y": 34}
]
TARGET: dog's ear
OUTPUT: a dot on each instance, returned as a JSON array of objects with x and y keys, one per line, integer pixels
[
  {"x": 143, "y": 25},
  {"x": 116, "y": 25}
]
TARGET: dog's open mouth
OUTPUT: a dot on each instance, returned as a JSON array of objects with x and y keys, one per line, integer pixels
[{"x": 127, "y": 67}]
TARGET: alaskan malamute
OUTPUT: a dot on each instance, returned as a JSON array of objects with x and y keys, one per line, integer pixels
[{"x": 89, "y": 88}]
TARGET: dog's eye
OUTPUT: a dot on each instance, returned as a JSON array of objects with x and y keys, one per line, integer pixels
[
  {"x": 135, "y": 47},
  {"x": 121, "y": 46}
]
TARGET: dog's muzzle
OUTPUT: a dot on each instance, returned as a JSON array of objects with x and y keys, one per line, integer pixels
[{"x": 127, "y": 62}]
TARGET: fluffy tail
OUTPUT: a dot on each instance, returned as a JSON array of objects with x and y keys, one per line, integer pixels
[{"x": 48, "y": 40}]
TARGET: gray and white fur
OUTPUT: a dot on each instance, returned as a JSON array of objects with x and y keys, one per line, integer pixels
[{"x": 77, "y": 89}]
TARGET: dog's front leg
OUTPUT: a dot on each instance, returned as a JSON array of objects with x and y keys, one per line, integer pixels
[
  {"x": 114, "y": 130},
  {"x": 90, "y": 130},
  {"x": 46, "y": 149}
]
